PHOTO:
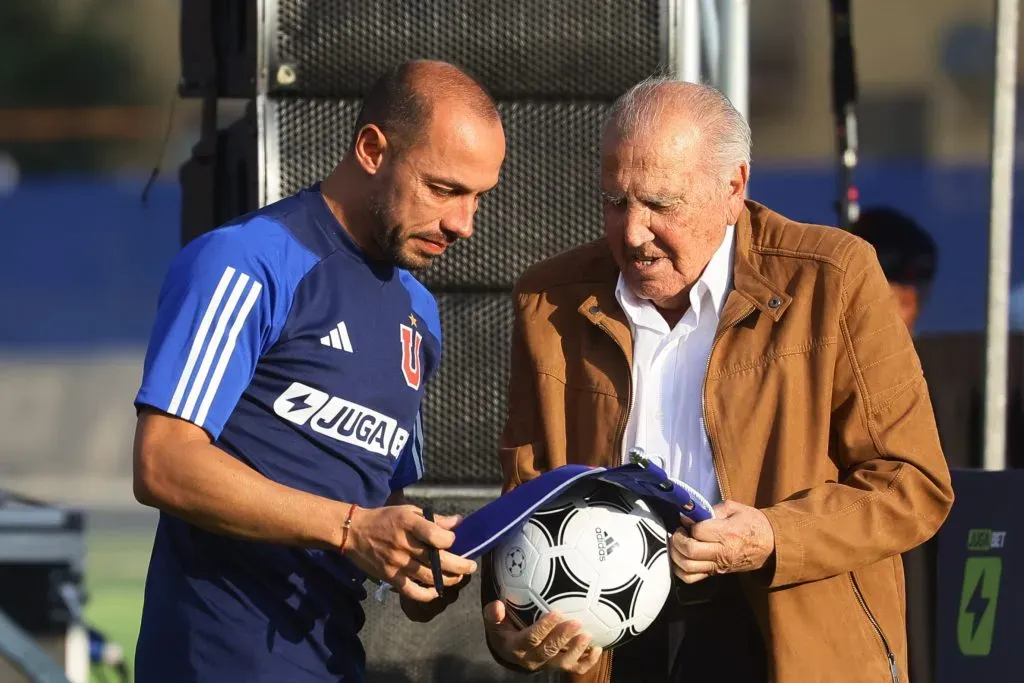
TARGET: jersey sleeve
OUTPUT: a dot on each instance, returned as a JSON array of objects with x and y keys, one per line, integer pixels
[
  {"x": 409, "y": 466},
  {"x": 219, "y": 309}
]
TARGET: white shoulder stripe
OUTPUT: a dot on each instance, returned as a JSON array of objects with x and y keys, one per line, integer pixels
[
  {"x": 229, "y": 349},
  {"x": 417, "y": 446},
  {"x": 200, "y": 339},
  {"x": 211, "y": 349}
]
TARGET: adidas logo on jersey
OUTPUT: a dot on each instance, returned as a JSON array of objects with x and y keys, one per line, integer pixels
[
  {"x": 338, "y": 338},
  {"x": 341, "y": 420}
]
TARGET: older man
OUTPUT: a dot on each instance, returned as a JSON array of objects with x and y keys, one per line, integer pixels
[{"x": 765, "y": 362}]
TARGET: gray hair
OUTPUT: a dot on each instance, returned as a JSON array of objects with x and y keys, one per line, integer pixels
[{"x": 709, "y": 108}]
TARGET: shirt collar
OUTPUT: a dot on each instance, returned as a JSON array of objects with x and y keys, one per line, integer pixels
[
  {"x": 718, "y": 273},
  {"x": 716, "y": 280}
]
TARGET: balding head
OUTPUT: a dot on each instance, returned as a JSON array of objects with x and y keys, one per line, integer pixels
[
  {"x": 428, "y": 145},
  {"x": 402, "y": 101},
  {"x": 678, "y": 113}
]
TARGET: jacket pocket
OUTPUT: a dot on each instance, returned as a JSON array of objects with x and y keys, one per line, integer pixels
[{"x": 894, "y": 671}]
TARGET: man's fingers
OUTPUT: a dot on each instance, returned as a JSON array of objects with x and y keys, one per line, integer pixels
[
  {"x": 709, "y": 530},
  {"x": 450, "y": 564},
  {"x": 533, "y": 636},
  {"x": 430, "y": 533},
  {"x": 552, "y": 641},
  {"x": 690, "y": 565},
  {"x": 448, "y": 522},
  {"x": 453, "y": 564},
  {"x": 588, "y": 660},
  {"x": 412, "y": 590},
  {"x": 714, "y": 529},
  {"x": 457, "y": 578},
  {"x": 694, "y": 549},
  {"x": 728, "y": 509},
  {"x": 688, "y": 578},
  {"x": 555, "y": 642},
  {"x": 453, "y": 579},
  {"x": 452, "y": 590},
  {"x": 568, "y": 659},
  {"x": 421, "y": 573},
  {"x": 697, "y": 567},
  {"x": 494, "y": 616}
]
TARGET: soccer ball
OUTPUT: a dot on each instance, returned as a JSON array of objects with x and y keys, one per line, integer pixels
[{"x": 597, "y": 554}]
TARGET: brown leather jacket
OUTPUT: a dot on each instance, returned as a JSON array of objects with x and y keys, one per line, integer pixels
[{"x": 817, "y": 413}]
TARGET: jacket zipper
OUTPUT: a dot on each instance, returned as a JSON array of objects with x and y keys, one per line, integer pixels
[
  {"x": 704, "y": 416},
  {"x": 893, "y": 669},
  {"x": 619, "y": 435}
]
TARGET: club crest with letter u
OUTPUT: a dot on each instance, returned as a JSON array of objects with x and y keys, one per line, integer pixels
[{"x": 412, "y": 363}]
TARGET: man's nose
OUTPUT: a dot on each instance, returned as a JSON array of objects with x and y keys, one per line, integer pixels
[
  {"x": 459, "y": 221},
  {"x": 638, "y": 226}
]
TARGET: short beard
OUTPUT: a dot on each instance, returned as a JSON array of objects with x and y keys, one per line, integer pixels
[{"x": 389, "y": 240}]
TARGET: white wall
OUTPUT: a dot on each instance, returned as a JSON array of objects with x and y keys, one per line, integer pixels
[{"x": 66, "y": 426}]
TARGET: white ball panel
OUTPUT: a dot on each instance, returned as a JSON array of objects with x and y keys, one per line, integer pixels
[
  {"x": 611, "y": 624},
  {"x": 581, "y": 571},
  {"x": 530, "y": 573},
  {"x": 574, "y": 525},
  {"x": 654, "y": 589},
  {"x": 515, "y": 562}
]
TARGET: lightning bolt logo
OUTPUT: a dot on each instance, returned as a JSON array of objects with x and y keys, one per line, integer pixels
[
  {"x": 977, "y": 606},
  {"x": 975, "y": 626},
  {"x": 299, "y": 402}
]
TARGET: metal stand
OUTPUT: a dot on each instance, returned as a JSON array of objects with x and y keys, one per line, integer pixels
[{"x": 1000, "y": 230}]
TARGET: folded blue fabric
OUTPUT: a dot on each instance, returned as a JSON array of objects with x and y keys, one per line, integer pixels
[{"x": 484, "y": 528}]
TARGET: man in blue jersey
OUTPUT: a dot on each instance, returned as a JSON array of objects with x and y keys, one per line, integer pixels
[{"x": 279, "y": 409}]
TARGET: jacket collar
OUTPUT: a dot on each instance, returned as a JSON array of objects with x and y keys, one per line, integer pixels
[
  {"x": 751, "y": 288},
  {"x": 602, "y": 309},
  {"x": 750, "y": 285}
]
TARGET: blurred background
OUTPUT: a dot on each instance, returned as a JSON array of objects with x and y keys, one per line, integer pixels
[{"x": 89, "y": 111}]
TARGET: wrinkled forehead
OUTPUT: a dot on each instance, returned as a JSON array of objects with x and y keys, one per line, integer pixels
[{"x": 665, "y": 160}]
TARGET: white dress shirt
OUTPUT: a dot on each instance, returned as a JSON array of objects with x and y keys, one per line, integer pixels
[{"x": 666, "y": 417}]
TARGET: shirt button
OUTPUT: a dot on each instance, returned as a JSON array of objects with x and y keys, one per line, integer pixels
[
  {"x": 659, "y": 416},
  {"x": 774, "y": 302}
]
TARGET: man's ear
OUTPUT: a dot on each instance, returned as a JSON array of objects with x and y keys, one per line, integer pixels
[
  {"x": 736, "y": 190},
  {"x": 370, "y": 147}
]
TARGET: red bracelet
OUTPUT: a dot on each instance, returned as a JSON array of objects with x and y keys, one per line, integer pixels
[{"x": 346, "y": 526}]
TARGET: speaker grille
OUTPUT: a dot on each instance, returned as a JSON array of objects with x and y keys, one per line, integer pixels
[
  {"x": 464, "y": 408},
  {"x": 590, "y": 49},
  {"x": 546, "y": 201},
  {"x": 305, "y": 141}
]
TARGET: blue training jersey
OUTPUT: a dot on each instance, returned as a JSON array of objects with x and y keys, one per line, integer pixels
[{"x": 307, "y": 362}]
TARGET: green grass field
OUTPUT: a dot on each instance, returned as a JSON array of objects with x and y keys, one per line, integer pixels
[{"x": 115, "y": 576}]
